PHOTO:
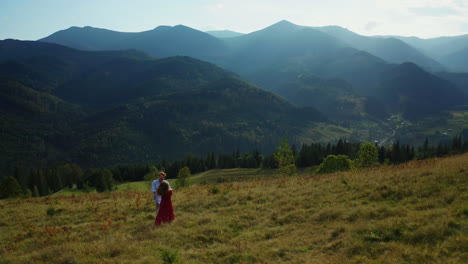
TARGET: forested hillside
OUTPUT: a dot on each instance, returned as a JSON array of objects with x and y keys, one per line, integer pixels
[{"x": 107, "y": 108}]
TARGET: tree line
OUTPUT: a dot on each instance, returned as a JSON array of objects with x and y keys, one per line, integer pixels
[{"x": 35, "y": 182}]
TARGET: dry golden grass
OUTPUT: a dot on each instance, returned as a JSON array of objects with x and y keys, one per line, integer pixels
[{"x": 413, "y": 213}]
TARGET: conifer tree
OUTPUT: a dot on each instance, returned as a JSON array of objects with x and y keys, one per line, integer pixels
[
  {"x": 104, "y": 180},
  {"x": 10, "y": 188},
  {"x": 182, "y": 176},
  {"x": 35, "y": 192}
]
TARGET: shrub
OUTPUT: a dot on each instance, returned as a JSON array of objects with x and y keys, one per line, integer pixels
[
  {"x": 214, "y": 190},
  {"x": 334, "y": 163}
]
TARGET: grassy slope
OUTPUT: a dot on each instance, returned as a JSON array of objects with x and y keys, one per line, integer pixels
[{"x": 413, "y": 213}]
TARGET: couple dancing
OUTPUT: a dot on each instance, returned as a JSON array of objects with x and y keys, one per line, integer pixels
[{"x": 162, "y": 192}]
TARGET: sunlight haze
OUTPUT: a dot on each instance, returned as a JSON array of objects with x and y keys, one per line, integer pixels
[{"x": 32, "y": 20}]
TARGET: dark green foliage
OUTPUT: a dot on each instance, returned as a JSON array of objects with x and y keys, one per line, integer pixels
[
  {"x": 397, "y": 153},
  {"x": 10, "y": 188},
  {"x": 45, "y": 181},
  {"x": 211, "y": 161},
  {"x": 215, "y": 189},
  {"x": 334, "y": 163},
  {"x": 35, "y": 192},
  {"x": 285, "y": 159},
  {"x": 102, "y": 179},
  {"x": 169, "y": 256},
  {"x": 132, "y": 172},
  {"x": 314, "y": 153},
  {"x": 69, "y": 174}
]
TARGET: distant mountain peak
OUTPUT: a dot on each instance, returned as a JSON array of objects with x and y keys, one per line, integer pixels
[
  {"x": 284, "y": 21},
  {"x": 283, "y": 25}
]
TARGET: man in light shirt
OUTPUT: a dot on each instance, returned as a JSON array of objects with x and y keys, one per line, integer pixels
[{"x": 154, "y": 187}]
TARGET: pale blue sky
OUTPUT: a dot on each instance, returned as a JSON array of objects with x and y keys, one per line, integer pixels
[{"x": 35, "y": 19}]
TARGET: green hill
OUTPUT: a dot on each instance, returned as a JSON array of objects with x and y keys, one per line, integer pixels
[
  {"x": 413, "y": 213},
  {"x": 36, "y": 127}
]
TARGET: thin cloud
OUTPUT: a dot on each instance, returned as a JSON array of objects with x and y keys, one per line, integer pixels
[
  {"x": 371, "y": 25},
  {"x": 434, "y": 11},
  {"x": 464, "y": 27}
]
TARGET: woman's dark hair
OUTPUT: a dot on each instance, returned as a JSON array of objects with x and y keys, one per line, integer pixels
[{"x": 163, "y": 189}]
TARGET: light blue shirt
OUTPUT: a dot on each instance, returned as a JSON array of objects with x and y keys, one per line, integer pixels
[{"x": 155, "y": 186}]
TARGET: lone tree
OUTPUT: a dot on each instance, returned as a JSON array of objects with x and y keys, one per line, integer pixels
[
  {"x": 368, "y": 156},
  {"x": 152, "y": 174},
  {"x": 334, "y": 163},
  {"x": 182, "y": 176},
  {"x": 284, "y": 157}
]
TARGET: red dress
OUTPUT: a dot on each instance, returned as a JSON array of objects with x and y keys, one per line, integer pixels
[{"x": 166, "y": 211}]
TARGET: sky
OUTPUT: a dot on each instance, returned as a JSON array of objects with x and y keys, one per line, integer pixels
[{"x": 35, "y": 19}]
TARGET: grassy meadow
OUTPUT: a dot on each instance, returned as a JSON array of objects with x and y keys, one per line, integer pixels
[{"x": 412, "y": 213}]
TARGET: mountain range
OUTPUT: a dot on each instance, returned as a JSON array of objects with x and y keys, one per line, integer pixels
[
  {"x": 99, "y": 97},
  {"x": 432, "y": 54},
  {"x": 276, "y": 57}
]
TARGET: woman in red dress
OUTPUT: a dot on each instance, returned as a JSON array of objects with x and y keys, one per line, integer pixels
[{"x": 166, "y": 211}]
